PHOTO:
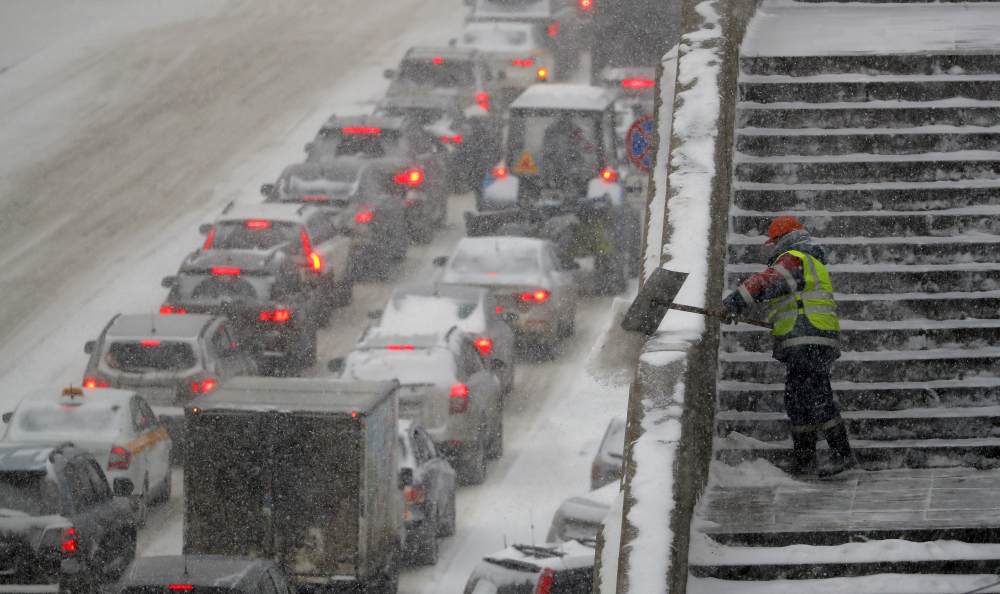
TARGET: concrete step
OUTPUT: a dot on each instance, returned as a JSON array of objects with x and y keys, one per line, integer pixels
[
  {"x": 744, "y": 249},
  {"x": 762, "y": 142},
  {"x": 871, "y": 65},
  {"x": 882, "y": 425},
  {"x": 862, "y": 168},
  {"x": 874, "y": 584},
  {"x": 970, "y": 392},
  {"x": 950, "y": 305},
  {"x": 897, "y": 278},
  {"x": 973, "y": 220},
  {"x": 878, "y": 335},
  {"x": 897, "y": 196},
  {"x": 857, "y": 88},
  {"x": 959, "y": 112}
]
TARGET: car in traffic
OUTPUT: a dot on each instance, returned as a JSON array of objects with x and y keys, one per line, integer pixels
[
  {"x": 117, "y": 426},
  {"x": 633, "y": 87},
  {"x": 518, "y": 53},
  {"x": 430, "y": 309},
  {"x": 448, "y": 71},
  {"x": 373, "y": 206},
  {"x": 262, "y": 293},
  {"x": 413, "y": 156},
  {"x": 62, "y": 528},
  {"x": 532, "y": 287},
  {"x": 203, "y": 574},
  {"x": 558, "y": 568},
  {"x": 561, "y": 179},
  {"x": 580, "y": 517},
  {"x": 446, "y": 387},
  {"x": 311, "y": 235},
  {"x": 470, "y": 136},
  {"x": 428, "y": 491},
  {"x": 607, "y": 465}
]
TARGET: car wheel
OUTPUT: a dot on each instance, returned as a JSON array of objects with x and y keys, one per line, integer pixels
[
  {"x": 164, "y": 488},
  {"x": 447, "y": 526},
  {"x": 472, "y": 465},
  {"x": 426, "y": 552},
  {"x": 496, "y": 442}
]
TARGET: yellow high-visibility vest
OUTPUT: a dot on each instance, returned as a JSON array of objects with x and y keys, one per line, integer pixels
[{"x": 814, "y": 303}]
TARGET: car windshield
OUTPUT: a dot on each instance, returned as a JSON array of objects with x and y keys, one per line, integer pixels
[
  {"x": 28, "y": 493},
  {"x": 496, "y": 37},
  {"x": 253, "y": 235},
  {"x": 150, "y": 355},
  {"x": 91, "y": 420},
  {"x": 331, "y": 143},
  {"x": 417, "y": 366},
  {"x": 211, "y": 289},
  {"x": 314, "y": 184},
  {"x": 436, "y": 72}
]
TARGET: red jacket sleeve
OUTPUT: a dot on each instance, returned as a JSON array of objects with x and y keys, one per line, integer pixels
[{"x": 782, "y": 278}]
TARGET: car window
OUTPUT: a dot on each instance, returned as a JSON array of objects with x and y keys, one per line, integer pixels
[
  {"x": 469, "y": 361},
  {"x": 279, "y": 581},
  {"x": 98, "y": 482},
  {"x": 150, "y": 355},
  {"x": 253, "y": 235},
  {"x": 266, "y": 585},
  {"x": 146, "y": 415},
  {"x": 425, "y": 440},
  {"x": 402, "y": 448},
  {"x": 31, "y": 493},
  {"x": 448, "y": 74},
  {"x": 80, "y": 488},
  {"x": 223, "y": 345},
  {"x": 420, "y": 449},
  {"x": 573, "y": 581},
  {"x": 321, "y": 228},
  {"x": 216, "y": 288}
]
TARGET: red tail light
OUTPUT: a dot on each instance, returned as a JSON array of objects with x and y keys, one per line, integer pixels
[
  {"x": 500, "y": 173},
  {"x": 225, "y": 270},
  {"x": 149, "y": 342},
  {"x": 363, "y": 217},
  {"x": 438, "y": 60},
  {"x": 258, "y": 224},
  {"x": 181, "y": 587},
  {"x": 170, "y": 309},
  {"x": 609, "y": 175},
  {"x": 482, "y": 97},
  {"x": 400, "y": 347},
  {"x": 413, "y": 495},
  {"x": 120, "y": 459},
  {"x": 203, "y": 387},
  {"x": 485, "y": 345},
  {"x": 360, "y": 130},
  {"x": 457, "y": 139},
  {"x": 484, "y": 106},
  {"x": 554, "y": 29},
  {"x": 459, "y": 401},
  {"x": 537, "y": 296},
  {"x": 412, "y": 177},
  {"x": 545, "y": 580},
  {"x": 586, "y": 4},
  {"x": 277, "y": 315},
  {"x": 637, "y": 83},
  {"x": 90, "y": 383},
  {"x": 69, "y": 540},
  {"x": 208, "y": 240},
  {"x": 315, "y": 199}
]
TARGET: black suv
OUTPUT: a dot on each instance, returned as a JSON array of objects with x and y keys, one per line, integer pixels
[
  {"x": 61, "y": 528},
  {"x": 261, "y": 292},
  {"x": 203, "y": 574}
]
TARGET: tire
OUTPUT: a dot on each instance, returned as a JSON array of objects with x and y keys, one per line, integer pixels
[
  {"x": 472, "y": 464},
  {"x": 447, "y": 527},
  {"x": 426, "y": 552},
  {"x": 164, "y": 488},
  {"x": 495, "y": 449}
]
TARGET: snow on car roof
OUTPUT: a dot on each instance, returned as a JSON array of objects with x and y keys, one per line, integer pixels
[
  {"x": 287, "y": 394},
  {"x": 195, "y": 570},
  {"x": 496, "y": 261},
  {"x": 527, "y": 8},
  {"x": 108, "y": 395},
  {"x": 501, "y": 36},
  {"x": 409, "y": 367},
  {"x": 445, "y": 52},
  {"x": 429, "y": 314},
  {"x": 270, "y": 211},
  {"x": 563, "y": 96},
  {"x": 153, "y": 325},
  {"x": 593, "y": 506},
  {"x": 567, "y": 555}
]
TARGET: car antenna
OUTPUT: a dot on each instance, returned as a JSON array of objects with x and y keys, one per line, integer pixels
[
  {"x": 184, "y": 557},
  {"x": 152, "y": 322},
  {"x": 531, "y": 518}
]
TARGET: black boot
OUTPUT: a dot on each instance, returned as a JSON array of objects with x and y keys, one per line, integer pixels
[
  {"x": 804, "y": 454},
  {"x": 841, "y": 456}
]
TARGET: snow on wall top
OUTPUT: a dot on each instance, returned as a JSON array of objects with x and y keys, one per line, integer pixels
[{"x": 789, "y": 28}]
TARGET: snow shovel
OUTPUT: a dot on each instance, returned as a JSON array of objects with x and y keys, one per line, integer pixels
[{"x": 657, "y": 296}]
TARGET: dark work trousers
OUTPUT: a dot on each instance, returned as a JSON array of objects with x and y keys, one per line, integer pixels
[{"x": 808, "y": 395}]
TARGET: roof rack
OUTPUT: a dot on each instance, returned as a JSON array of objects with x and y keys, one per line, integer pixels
[{"x": 539, "y": 552}]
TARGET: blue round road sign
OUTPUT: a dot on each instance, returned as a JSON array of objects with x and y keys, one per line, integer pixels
[{"x": 639, "y": 142}]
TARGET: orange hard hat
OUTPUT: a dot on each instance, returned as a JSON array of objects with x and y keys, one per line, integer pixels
[{"x": 782, "y": 225}]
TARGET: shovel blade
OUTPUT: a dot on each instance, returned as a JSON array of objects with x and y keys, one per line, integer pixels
[{"x": 653, "y": 300}]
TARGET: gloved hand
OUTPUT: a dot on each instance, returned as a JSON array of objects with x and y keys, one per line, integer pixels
[{"x": 734, "y": 304}]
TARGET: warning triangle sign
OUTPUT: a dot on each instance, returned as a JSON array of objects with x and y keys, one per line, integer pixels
[{"x": 526, "y": 165}]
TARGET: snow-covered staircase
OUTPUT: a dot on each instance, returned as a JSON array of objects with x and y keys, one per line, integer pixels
[{"x": 889, "y": 153}]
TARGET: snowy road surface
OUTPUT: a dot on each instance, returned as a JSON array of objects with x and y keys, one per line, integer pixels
[{"x": 125, "y": 124}]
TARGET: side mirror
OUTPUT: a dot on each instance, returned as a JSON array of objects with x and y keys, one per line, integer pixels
[
  {"x": 441, "y": 261},
  {"x": 308, "y": 147},
  {"x": 335, "y": 365},
  {"x": 375, "y": 314},
  {"x": 389, "y": 73},
  {"x": 168, "y": 282},
  {"x": 267, "y": 190},
  {"x": 88, "y": 347},
  {"x": 405, "y": 477},
  {"x": 452, "y": 42},
  {"x": 510, "y": 318},
  {"x": 123, "y": 487},
  {"x": 204, "y": 228},
  {"x": 7, "y": 416}
]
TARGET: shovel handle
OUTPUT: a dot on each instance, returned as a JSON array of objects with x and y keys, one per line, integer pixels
[{"x": 719, "y": 314}]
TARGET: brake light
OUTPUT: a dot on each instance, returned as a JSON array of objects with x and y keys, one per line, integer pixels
[
  {"x": 459, "y": 401},
  {"x": 314, "y": 199},
  {"x": 485, "y": 345},
  {"x": 149, "y": 342},
  {"x": 224, "y": 270},
  {"x": 410, "y": 177},
  {"x": 537, "y": 296},
  {"x": 543, "y": 74},
  {"x": 203, "y": 387},
  {"x": 258, "y": 224},
  {"x": 554, "y": 29},
  {"x": 363, "y": 217},
  {"x": 360, "y": 130},
  {"x": 457, "y": 139},
  {"x": 120, "y": 459},
  {"x": 637, "y": 83},
  {"x": 545, "y": 580},
  {"x": 586, "y": 4},
  {"x": 527, "y": 62},
  {"x": 499, "y": 310},
  {"x": 69, "y": 540},
  {"x": 438, "y": 60},
  {"x": 181, "y": 587},
  {"x": 413, "y": 494},
  {"x": 484, "y": 106},
  {"x": 90, "y": 383},
  {"x": 278, "y": 315},
  {"x": 208, "y": 240},
  {"x": 609, "y": 175},
  {"x": 482, "y": 97},
  {"x": 500, "y": 172},
  {"x": 400, "y": 347},
  {"x": 170, "y": 309},
  {"x": 314, "y": 259}
]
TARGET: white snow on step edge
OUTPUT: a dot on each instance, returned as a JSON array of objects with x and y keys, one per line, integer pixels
[
  {"x": 855, "y": 77},
  {"x": 883, "y": 268},
  {"x": 932, "y": 129},
  {"x": 873, "y": 186},
  {"x": 979, "y": 209},
  {"x": 965, "y": 238},
  {"x": 972, "y": 382},
  {"x": 916, "y": 323},
  {"x": 960, "y": 446},
  {"x": 886, "y": 583},
  {"x": 909, "y": 413},
  {"x": 788, "y": 28},
  {"x": 875, "y": 104},
  {"x": 970, "y": 353},
  {"x": 918, "y": 296},
  {"x": 967, "y": 155}
]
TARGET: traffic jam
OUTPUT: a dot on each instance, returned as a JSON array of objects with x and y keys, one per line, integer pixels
[{"x": 296, "y": 472}]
